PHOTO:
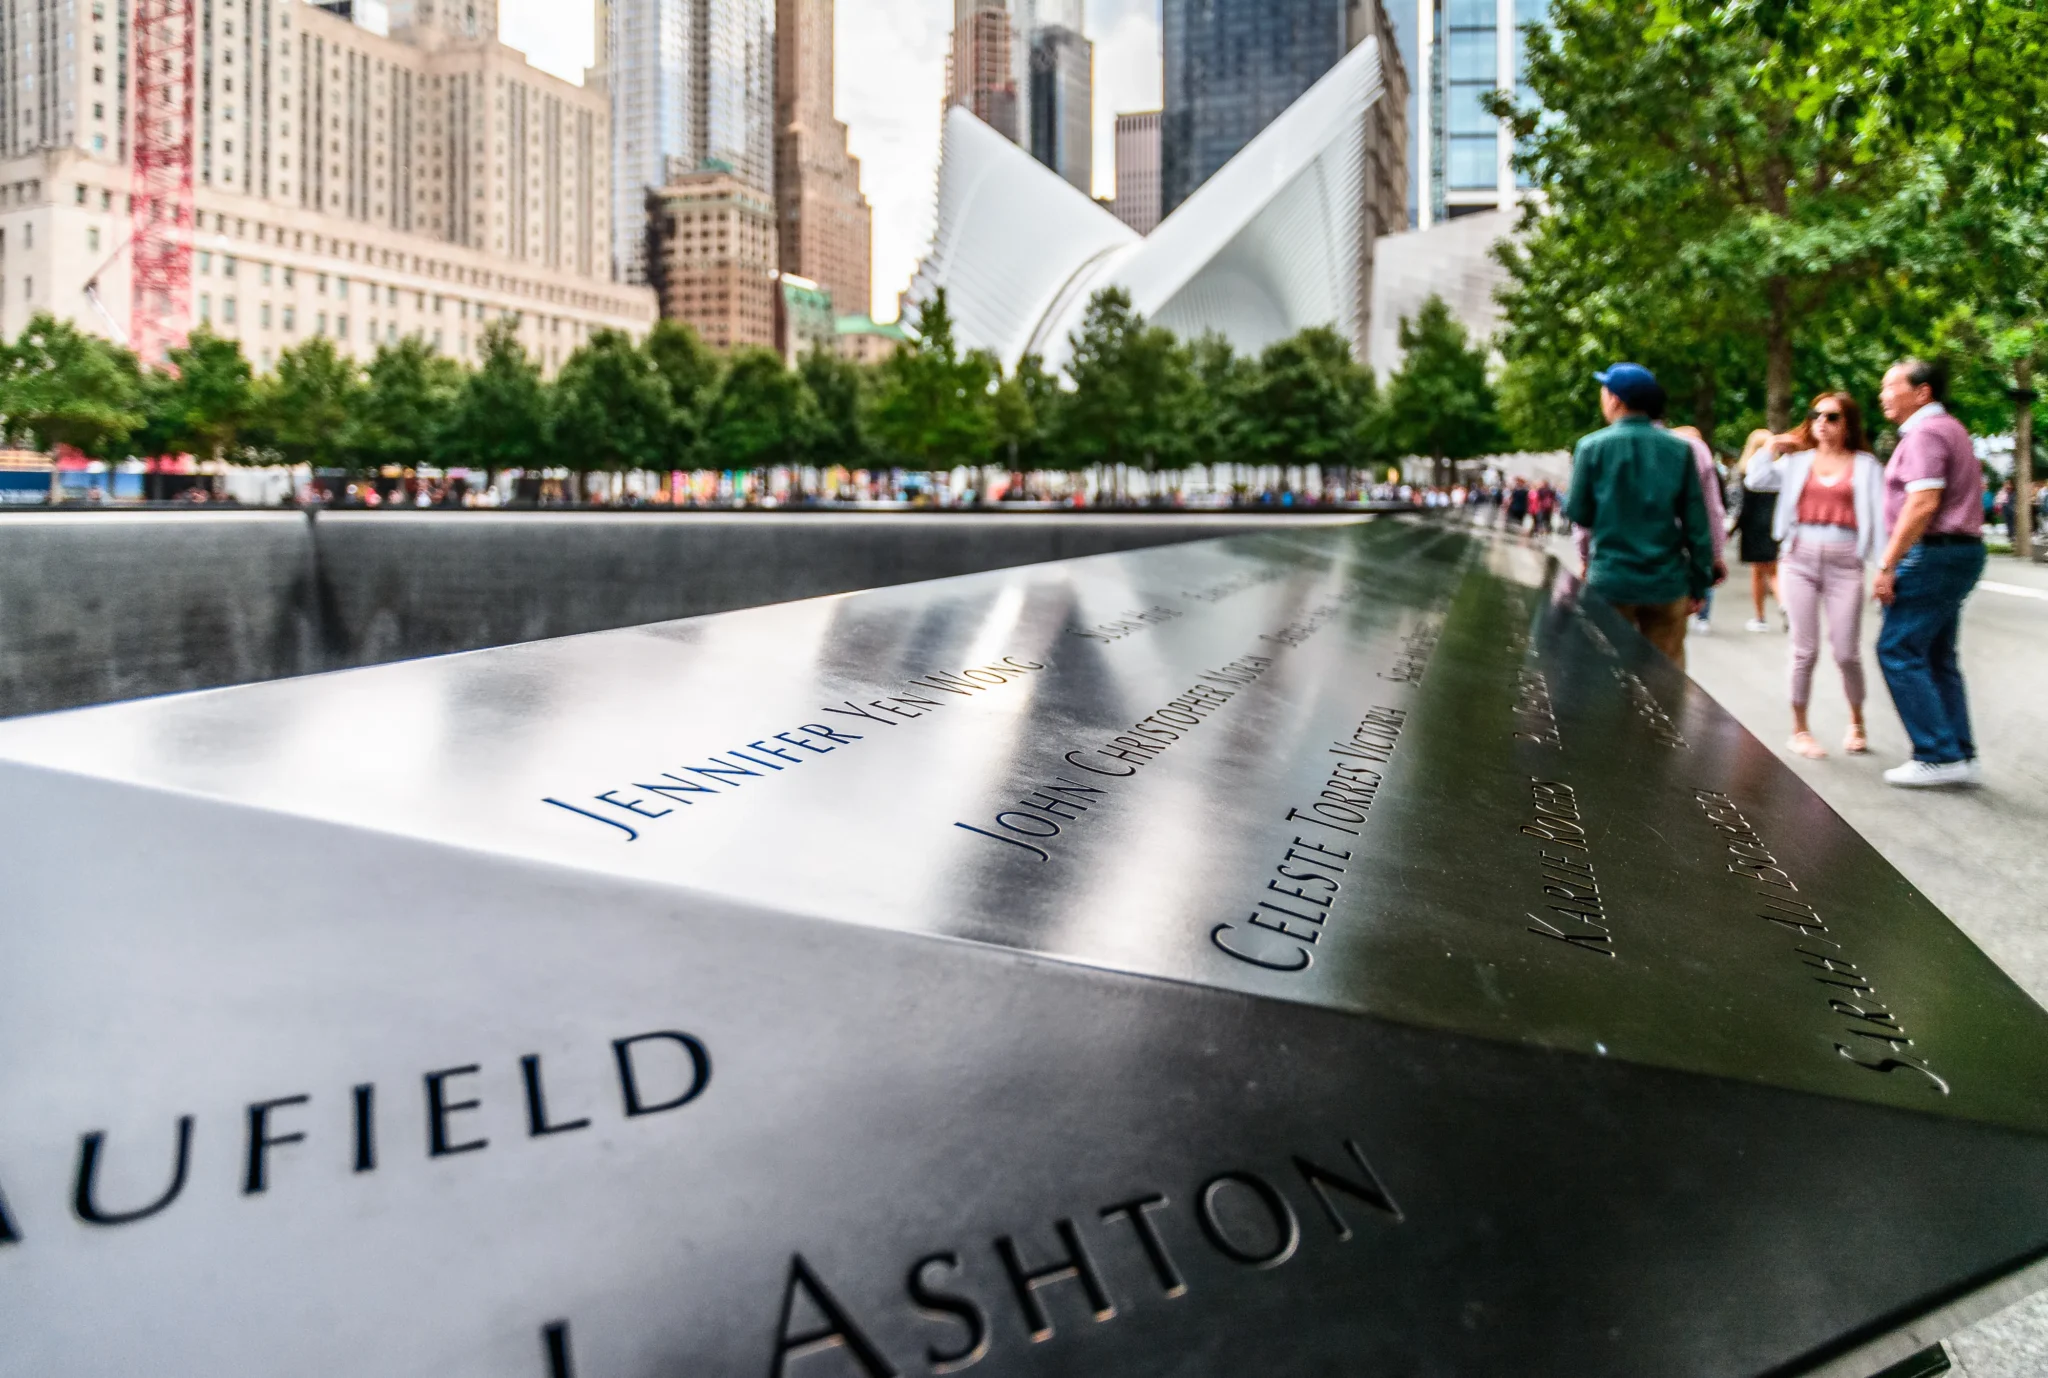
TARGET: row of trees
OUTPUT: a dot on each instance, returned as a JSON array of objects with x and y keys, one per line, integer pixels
[
  {"x": 1767, "y": 199},
  {"x": 1133, "y": 394}
]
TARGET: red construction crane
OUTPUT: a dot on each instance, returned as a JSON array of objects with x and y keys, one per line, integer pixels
[{"x": 160, "y": 184}]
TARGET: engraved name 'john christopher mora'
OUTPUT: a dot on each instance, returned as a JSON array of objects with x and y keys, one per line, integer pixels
[{"x": 650, "y": 1074}]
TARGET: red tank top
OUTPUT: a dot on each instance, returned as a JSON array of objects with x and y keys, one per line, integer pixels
[{"x": 1822, "y": 504}]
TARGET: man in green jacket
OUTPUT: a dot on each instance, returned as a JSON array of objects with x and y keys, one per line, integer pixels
[{"x": 1636, "y": 490}]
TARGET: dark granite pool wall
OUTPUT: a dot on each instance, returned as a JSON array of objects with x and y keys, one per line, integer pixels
[{"x": 114, "y": 605}]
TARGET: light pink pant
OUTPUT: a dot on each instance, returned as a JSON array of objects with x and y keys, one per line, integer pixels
[{"x": 1813, "y": 575}]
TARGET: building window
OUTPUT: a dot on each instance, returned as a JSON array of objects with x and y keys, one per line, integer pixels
[
  {"x": 320, "y": 324},
  {"x": 1472, "y": 72},
  {"x": 205, "y": 308},
  {"x": 263, "y": 315},
  {"x": 227, "y": 310},
  {"x": 291, "y": 320},
  {"x": 227, "y": 265},
  {"x": 92, "y": 238},
  {"x": 205, "y": 261},
  {"x": 341, "y": 327}
]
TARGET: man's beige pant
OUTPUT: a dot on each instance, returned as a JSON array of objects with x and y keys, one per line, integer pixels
[{"x": 1662, "y": 623}]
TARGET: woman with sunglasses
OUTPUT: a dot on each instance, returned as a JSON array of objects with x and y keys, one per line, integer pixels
[{"x": 1829, "y": 523}]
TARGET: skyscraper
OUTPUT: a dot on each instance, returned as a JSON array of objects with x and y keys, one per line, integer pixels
[
  {"x": 1025, "y": 69},
  {"x": 691, "y": 82},
  {"x": 1232, "y": 66},
  {"x": 981, "y": 72},
  {"x": 1063, "y": 103},
  {"x": 825, "y": 224},
  {"x": 1467, "y": 49},
  {"x": 348, "y": 185},
  {"x": 1137, "y": 171}
]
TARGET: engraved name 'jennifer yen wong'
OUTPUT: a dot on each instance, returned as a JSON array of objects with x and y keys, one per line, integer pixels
[{"x": 770, "y": 755}]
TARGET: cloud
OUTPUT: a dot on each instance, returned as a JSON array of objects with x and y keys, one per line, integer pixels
[
  {"x": 1128, "y": 76},
  {"x": 891, "y": 79},
  {"x": 555, "y": 35}
]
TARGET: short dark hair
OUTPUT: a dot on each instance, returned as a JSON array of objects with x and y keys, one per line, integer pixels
[
  {"x": 1652, "y": 401},
  {"x": 1932, "y": 376}
]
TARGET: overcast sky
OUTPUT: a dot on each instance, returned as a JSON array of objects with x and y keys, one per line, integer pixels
[{"x": 892, "y": 81}]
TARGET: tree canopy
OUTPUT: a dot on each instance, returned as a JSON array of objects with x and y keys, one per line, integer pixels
[
  {"x": 66, "y": 387},
  {"x": 1763, "y": 199},
  {"x": 1440, "y": 405},
  {"x": 930, "y": 408}
]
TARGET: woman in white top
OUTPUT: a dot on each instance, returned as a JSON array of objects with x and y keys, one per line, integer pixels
[
  {"x": 1761, "y": 481},
  {"x": 1829, "y": 523}
]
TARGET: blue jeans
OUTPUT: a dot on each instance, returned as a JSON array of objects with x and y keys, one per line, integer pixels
[{"x": 1917, "y": 649}]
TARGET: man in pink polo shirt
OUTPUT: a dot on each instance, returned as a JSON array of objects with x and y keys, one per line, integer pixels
[{"x": 1934, "y": 510}]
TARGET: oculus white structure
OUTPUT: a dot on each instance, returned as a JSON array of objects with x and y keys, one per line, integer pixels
[{"x": 1272, "y": 244}]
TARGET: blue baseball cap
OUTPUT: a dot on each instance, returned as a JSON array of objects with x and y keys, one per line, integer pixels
[{"x": 1632, "y": 383}]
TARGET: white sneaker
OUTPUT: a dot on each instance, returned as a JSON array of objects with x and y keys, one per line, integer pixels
[
  {"x": 1701, "y": 626},
  {"x": 1756, "y": 624},
  {"x": 1925, "y": 775},
  {"x": 1976, "y": 770}
]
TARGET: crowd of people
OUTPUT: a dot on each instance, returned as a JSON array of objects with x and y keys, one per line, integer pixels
[{"x": 1815, "y": 512}]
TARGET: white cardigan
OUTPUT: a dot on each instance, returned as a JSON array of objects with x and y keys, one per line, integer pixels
[{"x": 1867, "y": 481}]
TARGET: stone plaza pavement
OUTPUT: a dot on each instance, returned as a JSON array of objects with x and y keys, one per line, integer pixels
[{"x": 1981, "y": 855}]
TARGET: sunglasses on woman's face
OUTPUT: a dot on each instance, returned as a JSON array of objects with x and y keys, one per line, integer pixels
[{"x": 1824, "y": 416}]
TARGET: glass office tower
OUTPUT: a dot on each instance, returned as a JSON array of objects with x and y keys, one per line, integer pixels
[
  {"x": 1470, "y": 49},
  {"x": 1063, "y": 104},
  {"x": 1232, "y": 66},
  {"x": 692, "y": 85}
]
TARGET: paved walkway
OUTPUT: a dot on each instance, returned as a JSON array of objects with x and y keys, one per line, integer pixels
[{"x": 1981, "y": 855}]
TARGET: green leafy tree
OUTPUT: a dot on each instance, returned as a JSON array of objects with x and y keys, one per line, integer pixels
[
  {"x": 762, "y": 414},
  {"x": 405, "y": 406},
  {"x": 1216, "y": 425},
  {"x": 1310, "y": 402},
  {"x": 203, "y": 402},
  {"x": 1013, "y": 418},
  {"x": 613, "y": 408},
  {"x": 931, "y": 404},
  {"x": 838, "y": 388},
  {"x": 306, "y": 407},
  {"x": 500, "y": 417},
  {"x": 692, "y": 370},
  {"x": 1765, "y": 170},
  {"x": 1034, "y": 418},
  {"x": 1440, "y": 405},
  {"x": 66, "y": 387},
  {"x": 1134, "y": 388}
]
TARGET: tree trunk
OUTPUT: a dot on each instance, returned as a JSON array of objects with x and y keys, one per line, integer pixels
[
  {"x": 1778, "y": 368},
  {"x": 2023, "y": 461},
  {"x": 1704, "y": 396}
]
